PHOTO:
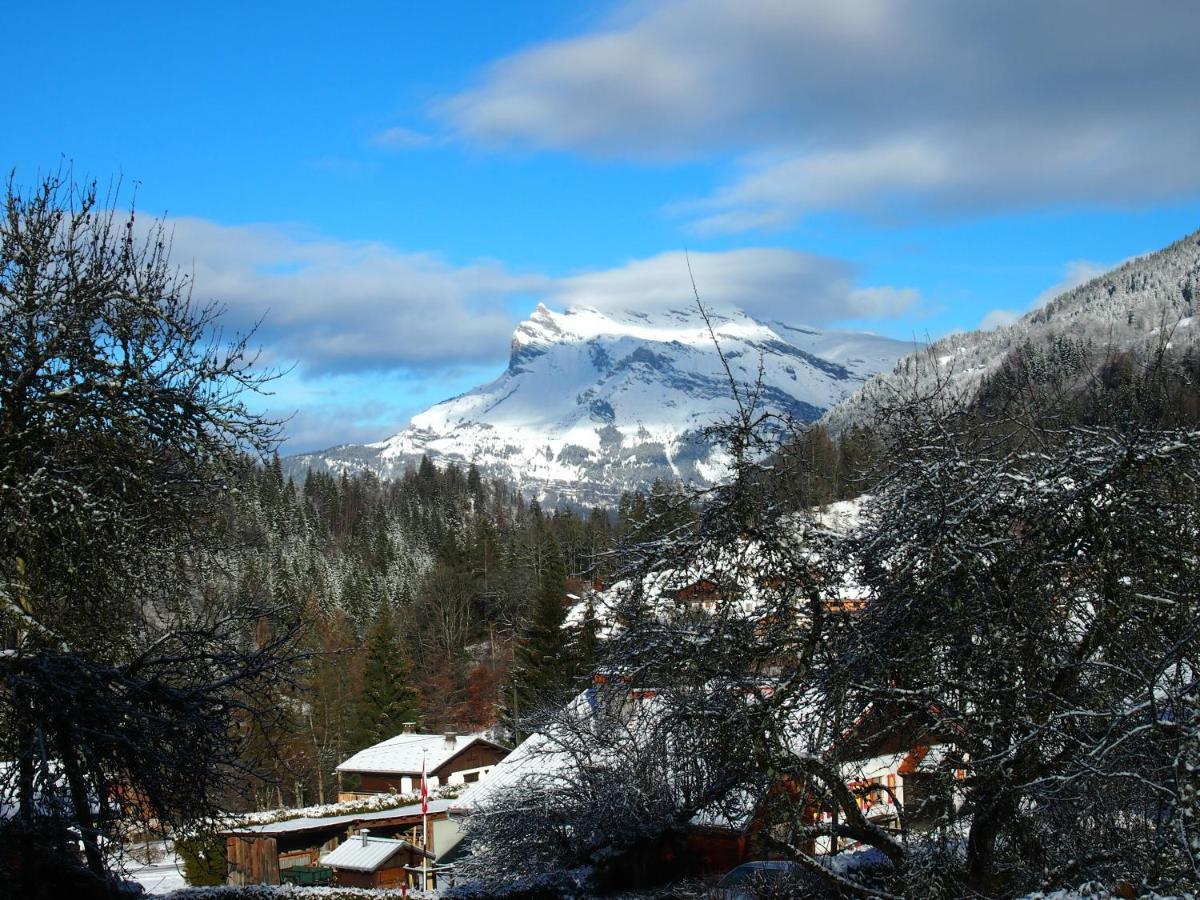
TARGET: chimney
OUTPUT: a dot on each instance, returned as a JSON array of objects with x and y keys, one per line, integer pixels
[
  {"x": 409, "y": 727},
  {"x": 364, "y": 834},
  {"x": 451, "y": 738}
]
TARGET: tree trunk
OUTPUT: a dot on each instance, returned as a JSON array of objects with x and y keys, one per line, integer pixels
[
  {"x": 981, "y": 844},
  {"x": 81, "y": 802},
  {"x": 25, "y": 774}
]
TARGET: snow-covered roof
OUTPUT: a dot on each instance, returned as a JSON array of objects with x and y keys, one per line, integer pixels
[
  {"x": 404, "y": 753},
  {"x": 391, "y": 804},
  {"x": 544, "y": 760},
  {"x": 366, "y": 854},
  {"x": 537, "y": 756},
  {"x": 306, "y": 823}
]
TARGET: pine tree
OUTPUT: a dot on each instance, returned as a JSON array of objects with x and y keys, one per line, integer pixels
[
  {"x": 543, "y": 664},
  {"x": 586, "y": 640},
  {"x": 387, "y": 701},
  {"x": 475, "y": 482},
  {"x": 333, "y": 687}
]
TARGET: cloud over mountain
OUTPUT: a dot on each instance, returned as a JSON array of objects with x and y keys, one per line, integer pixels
[
  {"x": 769, "y": 283},
  {"x": 336, "y": 306}
]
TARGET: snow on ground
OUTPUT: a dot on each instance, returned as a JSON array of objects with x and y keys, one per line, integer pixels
[{"x": 156, "y": 867}]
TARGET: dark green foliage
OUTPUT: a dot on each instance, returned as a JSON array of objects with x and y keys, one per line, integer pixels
[
  {"x": 1075, "y": 381},
  {"x": 459, "y": 562},
  {"x": 587, "y": 641},
  {"x": 388, "y": 700},
  {"x": 544, "y": 665},
  {"x": 816, "y": 468},
  {"x": 203, "y": 860},
  {"x": 664, "y": 509}
]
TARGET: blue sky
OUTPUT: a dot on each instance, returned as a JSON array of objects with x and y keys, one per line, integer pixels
[{"x": 395, "y": 185}]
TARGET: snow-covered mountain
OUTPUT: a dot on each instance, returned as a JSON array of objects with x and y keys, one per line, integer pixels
[
  {"x": 593, "y": 403},
  {"x": 1146, "y": 300}
]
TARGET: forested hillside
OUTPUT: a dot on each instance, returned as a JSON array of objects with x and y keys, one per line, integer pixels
[
  {"x": 1135, "y": 307},
  {"x": 415, "y": 594}
]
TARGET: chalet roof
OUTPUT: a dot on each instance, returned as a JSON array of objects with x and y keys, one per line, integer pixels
[
  {"x": 540, "y": 762},
  {"x": 367, "y": 855},
  {"x": 541, "y": 759},
  {"x": 312, "y": 823},
  {"x": 536, "y": 757},
  {"x": 404, "y": 753}
]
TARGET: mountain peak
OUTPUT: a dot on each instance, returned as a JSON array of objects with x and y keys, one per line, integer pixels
[{"x": 598, "y": 401}]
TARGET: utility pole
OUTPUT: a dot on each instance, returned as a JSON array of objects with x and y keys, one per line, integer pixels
[{"x": 424, "y": 824}]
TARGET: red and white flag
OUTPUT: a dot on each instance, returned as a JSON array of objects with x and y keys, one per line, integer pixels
[{"x": 424, "y": 790}]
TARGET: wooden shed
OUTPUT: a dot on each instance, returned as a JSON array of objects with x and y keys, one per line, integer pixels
[
  {"x": 371, "y": 862},
  {"x": 252, "y": 859}
]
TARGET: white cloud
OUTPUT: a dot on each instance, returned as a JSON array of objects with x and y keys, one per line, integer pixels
[
  {"x": 400, "y": 138},
  {"x": 363, "y": 324},
  {"x": 1075, "y": 273},
  {"x": 351, "y": 306},
  {"x": 318, "y": 427},
  {"x": 998, "y": 318},
  {"x": 769, "y": 283},
  {"x": 333, "y": 306},
  {"x": 869, "y": 105},
  {"x": 770, "y": 195}
]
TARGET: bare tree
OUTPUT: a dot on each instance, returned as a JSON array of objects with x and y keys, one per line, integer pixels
[
  {"x": 122, "y": 416},
  {"x": 1028, "y": 568},
  {"x": 1032, "y": 575}
]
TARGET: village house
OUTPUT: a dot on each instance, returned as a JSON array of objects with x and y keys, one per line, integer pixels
[
  {"x": 289, "y": 850},
  {"x": 893, "y": 761},
  {"x": 295, "y": 847},
  {"x": 395, "y": 765},
  {"x": 702, "y": 594}
]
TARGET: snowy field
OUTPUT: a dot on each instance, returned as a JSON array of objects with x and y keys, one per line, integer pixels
[{"x": 156, "y": 868}]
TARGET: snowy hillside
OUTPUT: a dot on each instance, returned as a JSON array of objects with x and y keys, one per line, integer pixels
[
  {"x": 593, "y": 403},
  {"x": 1130, "y": 306}
]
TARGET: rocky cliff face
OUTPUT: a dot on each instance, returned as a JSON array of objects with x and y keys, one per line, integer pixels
[{"x": 594, "y": 403}]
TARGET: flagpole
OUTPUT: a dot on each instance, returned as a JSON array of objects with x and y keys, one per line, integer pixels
[{"x": 424, "y": 825}]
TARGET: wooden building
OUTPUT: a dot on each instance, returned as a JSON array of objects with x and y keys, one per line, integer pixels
[
  {"x": 261, "y": 854},
  {"x": 702, "y": 594},
  {"x": 365, "y": 861},
  {"x": 394, "y": 765}
]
